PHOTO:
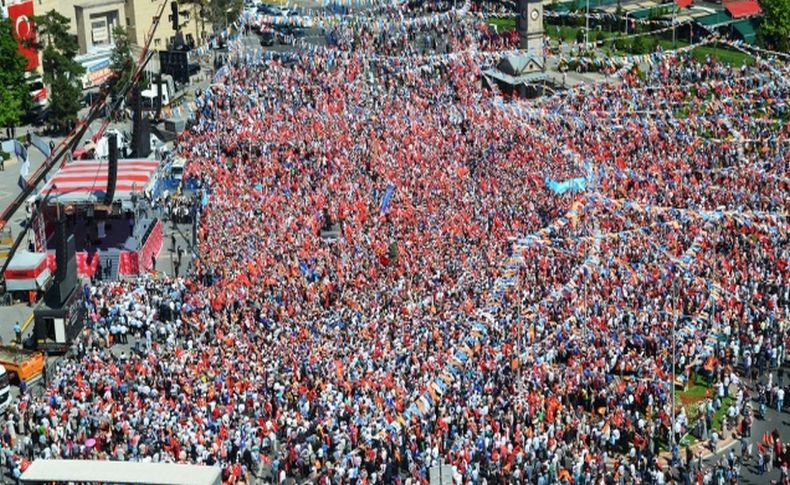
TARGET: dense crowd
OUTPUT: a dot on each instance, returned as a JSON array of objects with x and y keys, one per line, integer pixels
[{"x": 385, "y": 280}]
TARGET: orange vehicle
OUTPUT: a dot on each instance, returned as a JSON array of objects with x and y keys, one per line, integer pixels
[{"x": 26, "y": 364}]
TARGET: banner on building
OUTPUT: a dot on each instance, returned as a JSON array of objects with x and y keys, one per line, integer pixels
[{"x": 24, "y": 31}]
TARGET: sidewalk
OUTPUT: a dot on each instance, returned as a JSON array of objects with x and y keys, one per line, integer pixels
[{"x": 701, "y": 448}]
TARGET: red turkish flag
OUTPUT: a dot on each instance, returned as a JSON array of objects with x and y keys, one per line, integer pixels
[{"x": 24, "y": 31}]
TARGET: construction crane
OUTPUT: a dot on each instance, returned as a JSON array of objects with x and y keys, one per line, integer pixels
[{"x": 70, "y": 142}]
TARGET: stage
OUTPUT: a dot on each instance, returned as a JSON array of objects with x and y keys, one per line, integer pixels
[
  {"x": 125, "y": 251},
  {"x": 110, "y": 240}
]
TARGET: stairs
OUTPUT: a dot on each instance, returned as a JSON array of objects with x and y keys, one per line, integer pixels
[{"x": 115, "y": 260}]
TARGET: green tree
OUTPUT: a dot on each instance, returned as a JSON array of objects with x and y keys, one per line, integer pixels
[
  {"x": 122, "y": 64},
  {"x": 225, "y": 12},
  {"x": 61, "y": 72},
  {"x": 599, "y": 37},
  {"x": 217, "y": 13},
  {"x": 638, "y": 45},
  {"x": 774, "y": 30},
  {"x": 14, "y": 95}
]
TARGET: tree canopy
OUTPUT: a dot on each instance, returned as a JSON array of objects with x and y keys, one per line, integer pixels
[
  {"x": 775, "y": 27},
  {"x": 122, "y": 63},
  {"x": 61, "y": 72},
  {"x": 218, "y": 13}
]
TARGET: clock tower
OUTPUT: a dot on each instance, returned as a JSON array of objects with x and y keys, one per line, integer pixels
[{"x": 530, "y": 28}]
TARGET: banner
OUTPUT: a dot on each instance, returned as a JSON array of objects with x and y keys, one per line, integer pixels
[
  {"x": 40, "y": 144},
  {"x": 385, "y": 201},
  {"x": 24, "y": 32},
  {"x": 17, "y": 149},
  {"x": 570, "y": 185},
  {"x": 39, "y": 232}
]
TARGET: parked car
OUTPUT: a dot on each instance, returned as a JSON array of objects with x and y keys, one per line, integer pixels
[
  {"x": 287, "y": 31},
  {"x": 268, "y": 38}
]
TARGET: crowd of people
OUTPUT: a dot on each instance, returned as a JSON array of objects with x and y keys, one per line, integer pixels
[{"x": 385, "y": 280}]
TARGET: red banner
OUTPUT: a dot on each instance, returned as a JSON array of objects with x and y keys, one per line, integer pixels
[{"x": 22, "y": 26}]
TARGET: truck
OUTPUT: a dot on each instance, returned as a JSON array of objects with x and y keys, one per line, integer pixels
[
  {"x": 26, "y": 365},
  {"x": 168, "y": 93},
  {"x": 55, "y": 328},
  {"x": 38, "y": 92},
  {"x": 5, "y": 389},
  {"x": 177, "y": 169}
]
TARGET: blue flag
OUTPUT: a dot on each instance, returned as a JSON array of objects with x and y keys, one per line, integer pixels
[{"x": 385, "y": 201}]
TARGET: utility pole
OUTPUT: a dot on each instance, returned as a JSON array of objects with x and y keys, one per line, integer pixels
[
  {"x": 587, "y": 26},
  {"x": 626, "y": 23},
  {"x": 674, "y": 19}
]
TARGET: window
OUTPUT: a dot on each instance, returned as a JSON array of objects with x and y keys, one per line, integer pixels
[
  {"x": 100, "y": 33},
  {"x": 157, "y": 41}
]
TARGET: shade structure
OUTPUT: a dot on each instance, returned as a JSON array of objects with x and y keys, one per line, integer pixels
[
  {"x": 743, "y": 9},
  {"x": 85, "y": 181}
]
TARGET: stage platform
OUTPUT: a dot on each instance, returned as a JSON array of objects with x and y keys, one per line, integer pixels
[
  {"x": 118, "y": 249},
  {"x": 113, "y": 235}
]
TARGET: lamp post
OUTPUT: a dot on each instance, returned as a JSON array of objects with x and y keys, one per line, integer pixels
[
  {"x": 626, "y": 23},
  {"x": 587, "y": 26}
]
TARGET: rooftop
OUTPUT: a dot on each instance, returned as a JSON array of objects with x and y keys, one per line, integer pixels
[{"x": 117, "y": 472}]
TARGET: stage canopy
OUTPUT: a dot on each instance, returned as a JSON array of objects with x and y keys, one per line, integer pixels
[{"x": 85, "y": 181}]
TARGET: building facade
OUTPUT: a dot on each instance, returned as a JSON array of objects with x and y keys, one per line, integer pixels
[
  {"x": 140, "y": 15},
  {"x": 93, "y": 21}
]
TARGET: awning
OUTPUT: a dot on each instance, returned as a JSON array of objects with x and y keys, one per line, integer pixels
[
  {"x": 602, "y": 3},
  {"x": 684, "y": 3},
  {"x": 85, "y": 181},
  {"x": 641, "y": 14},
  {"x": 747, "y": 29},
  {"x": 560, "y": 7},
  {"x": 743, "y": 9},
  {"x": 714, "y": 19}
]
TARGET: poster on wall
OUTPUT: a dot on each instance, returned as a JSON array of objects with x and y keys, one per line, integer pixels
[{"x": 24, "y": 33}]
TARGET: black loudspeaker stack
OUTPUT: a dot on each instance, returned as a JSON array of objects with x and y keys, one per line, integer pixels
[
  {"x": 112, "y": 170},
  {"x": 141, "y": 128},
  {"x": 66, "y": 262}
]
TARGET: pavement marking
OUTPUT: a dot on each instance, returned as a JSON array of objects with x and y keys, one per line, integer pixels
[
  {"x": 28, "y": 322},
  {"x": 721, "y": 449}
]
